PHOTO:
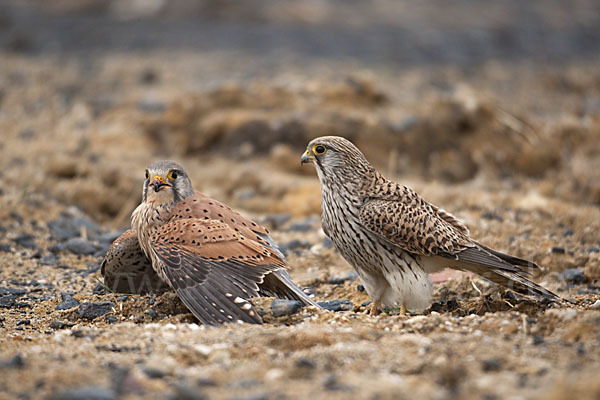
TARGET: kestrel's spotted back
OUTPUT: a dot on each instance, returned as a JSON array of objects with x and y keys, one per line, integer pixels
[
  {"x": 215, "y": 259},
  {"x": 393, "y": 237}
]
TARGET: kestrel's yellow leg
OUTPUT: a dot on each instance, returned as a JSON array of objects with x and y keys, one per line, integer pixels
[
  {"x": 374, "y": 308},
  {"x": 403, "y": 309}
]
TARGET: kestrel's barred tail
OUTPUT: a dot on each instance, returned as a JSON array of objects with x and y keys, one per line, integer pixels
[
  {"x": 393, "y": 237},
  {"x": 215, "y": 259}
]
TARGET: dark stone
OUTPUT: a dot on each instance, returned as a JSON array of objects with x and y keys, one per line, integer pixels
[
  {"x": 306, "y": 225},
  {"x": 149, "y": 77},
  {"x": 558, "y": 250},
  {"x": 569, "y": 232},
  {"x": 57, "y": 324},
  {"x": 337, "y": 280},
  {"x": 80, "y": 246},
  {"x": 293, "y": 245},
  {"x": 573, "y": 275},
  {"x": 152, "y": 314},
  {"x": 111, "y": 319},
  {"x": 337, "y": 305},
  {"x": 8, "y": 301},
  {"x": 184, "y": 392},
  {"x": 592, "y": 249},
  {"x": 99, "y": 289},
  {"x": 276, "y": 221},
  {"x": 366, "y": 303},
  {"x": 304, "y": 363},
  {"x": 205, "y": 382},
  {"x": 26, "y": 134},
  {"x": 151, "y": 106},
  {"x": 69, "y": 226},
  {"x": 151, "y": 301},
  {"x": 5, "y": 247},
  {"x": 49, "y": 259},
  {"x": 68, "y": 301},
  {"x": 491, "y": 215},
  {"x": 327, "y": 243},
  {"x": 86, "y": 393},
  {"x": 24, "y": 322},
  {"x": 16, "y": 362},
  {"x": 331, "y": 383},
  {"x": 90, "y": 311},
  {"x": 154, "y": 373},
  {"x": 26, "y": 240},
  {"x": 4, "y": 291},
  {"x": 491, "y": 364},
  {"x": 360, "y": 288},
  {"x": 122, "y": 298},
  {"x": 281, "y": 307}
]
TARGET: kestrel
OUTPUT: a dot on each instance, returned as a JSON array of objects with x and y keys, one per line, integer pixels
[
  {"x": 215, "y": 259},
  {"x": 394, "y": 238}
]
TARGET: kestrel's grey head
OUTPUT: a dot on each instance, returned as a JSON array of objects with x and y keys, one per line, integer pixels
[
  {"x": 166, "y": 182},
  {"x": 336, "y": 158}
]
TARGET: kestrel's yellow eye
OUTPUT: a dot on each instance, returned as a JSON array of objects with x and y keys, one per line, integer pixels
[
  {"x": 173, "y": 175},
  {"x": 319, "y": 149},
  {"x": 147, "y": 175}
]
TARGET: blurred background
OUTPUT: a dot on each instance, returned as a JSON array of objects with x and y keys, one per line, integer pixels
[{"x": 498, "y": 96}]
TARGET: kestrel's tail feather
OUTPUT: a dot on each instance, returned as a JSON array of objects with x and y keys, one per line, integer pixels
[{"x": 280, "y": 284}]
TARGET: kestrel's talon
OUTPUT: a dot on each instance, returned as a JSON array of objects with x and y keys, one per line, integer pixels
[
  {"x": 208, "y": 253},
  {"x": 393, "y": 237}
]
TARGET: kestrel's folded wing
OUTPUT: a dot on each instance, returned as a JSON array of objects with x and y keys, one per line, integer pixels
[
  {"x": 428, "y": 231},
  {"x": 279, "y": 284},
  {"x": 126, "y": 269},
  {"x": 214, "y": 269}
]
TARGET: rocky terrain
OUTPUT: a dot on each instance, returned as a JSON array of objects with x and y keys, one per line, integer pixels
[{"x": 493, "y": 114}]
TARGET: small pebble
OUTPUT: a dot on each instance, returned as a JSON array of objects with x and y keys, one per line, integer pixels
[
  {"x": 68, "y": 301},
  {"x": 26, "y": 240},
  {"x": 596, "y": 305},
  {"x": 80, "y": 246},
  {"x": 337, "y": 305},
  {"x": 293, "y": 245},
  {"x": 111, "y": 319},
  {"x": 360, "y": 288},
  {"x": 573, "y": 275},
  {"x": 90, "y": 311},
  {"x": 558, "y": 250},
  {"x": 281, "y": 307},
  {"x": 491, "y": 215},
  {"x": 86, "y": 393},
  {"x": 491, "y": 364},
  {"x": 5, "y": 247},
  {"x": 57, "y": 324},
  {"x": 336, "y": 280},
  {"x": 15, "y": 362}
]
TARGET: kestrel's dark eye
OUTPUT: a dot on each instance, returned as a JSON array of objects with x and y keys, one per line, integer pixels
[
  {"x": 319, "y": 149},
  {"x": 147, "y": 175},
  {"x": 173, "y": 175}
]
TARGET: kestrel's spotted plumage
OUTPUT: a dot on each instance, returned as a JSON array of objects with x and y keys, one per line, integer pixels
[
  {"x": 393, "y": 237},
  {"x": 215, "y": 259}
]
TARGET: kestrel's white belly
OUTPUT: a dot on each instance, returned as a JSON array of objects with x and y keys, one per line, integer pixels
[{"x": 389, "y": 274}]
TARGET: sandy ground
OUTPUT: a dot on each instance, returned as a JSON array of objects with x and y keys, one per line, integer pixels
[{"x": 508, "y": 141}]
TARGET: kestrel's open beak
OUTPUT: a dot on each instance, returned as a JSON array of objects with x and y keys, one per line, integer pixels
[
  {"x": 307, "y": 157},
  {"x": 158, "y": 183}
]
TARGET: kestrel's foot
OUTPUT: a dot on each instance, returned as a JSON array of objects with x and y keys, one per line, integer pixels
[
  {"x": 403, "y": 309},
  {"x": 374, "y": 308}
]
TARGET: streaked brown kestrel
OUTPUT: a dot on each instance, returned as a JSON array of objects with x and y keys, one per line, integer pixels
[{"x": 394, "y": 238}]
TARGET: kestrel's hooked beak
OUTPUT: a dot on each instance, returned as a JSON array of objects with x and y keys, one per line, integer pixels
[
  {"x": 307, "y": 157},
  {"x": 158, "y": 183}
]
